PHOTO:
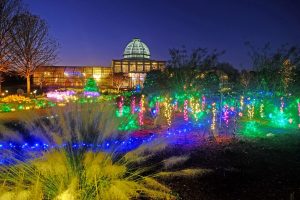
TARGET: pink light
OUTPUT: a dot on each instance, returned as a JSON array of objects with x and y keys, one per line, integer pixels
[
  {"x": 299, "y": 113},
  {"x": 185, "y": 111},
  {"x": 175, "y": 106},
  {"x": 60, "y": 96},
  {"x": 157, "y": 107},
  {"x": 203, "y": 103},
  {"x": 141, "y": 113},
  {"x": 281, "y": 104},
  {"x": 120, "y": 105},
  {"x": 91, "y": 94},
  {"x": 132, "y": 105},
  {"x": 226, "y": 116}
]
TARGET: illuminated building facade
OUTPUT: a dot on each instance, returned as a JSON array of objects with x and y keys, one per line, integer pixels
[
  {"x": 72, "y": 76},
  {"x": 127, "y": 72}
]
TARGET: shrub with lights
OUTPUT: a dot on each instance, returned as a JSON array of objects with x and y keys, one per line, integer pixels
[
  {"x": 18, "y": 103},
  {"x": 91, "y": 88}
]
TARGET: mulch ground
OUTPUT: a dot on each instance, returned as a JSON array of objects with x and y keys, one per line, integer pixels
[{"x": 241, "y": 169}]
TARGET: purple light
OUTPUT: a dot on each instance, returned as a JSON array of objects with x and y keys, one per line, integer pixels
[
  {"x": 91, "y": 94},
  {"x": 60, "y": 95}
]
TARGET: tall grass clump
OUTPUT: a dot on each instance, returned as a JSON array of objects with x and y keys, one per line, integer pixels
[{"x": 66, "y": 173}]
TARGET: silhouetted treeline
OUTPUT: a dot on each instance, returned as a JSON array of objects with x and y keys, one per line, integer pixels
[{"x": 273, "y": 71}]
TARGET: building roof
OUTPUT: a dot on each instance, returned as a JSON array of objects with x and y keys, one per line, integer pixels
[{"x": 136, "y": 50}]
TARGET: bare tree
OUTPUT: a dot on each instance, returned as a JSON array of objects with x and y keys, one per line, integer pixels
[
  {"x": 287, "y": 74},
  {"x": 32, "y": 46},
  {"x": 275, "y": 68},
  {"x": 8, "y": 10},
  {"x": 41, "y": 81},
  {"x": 245, "y": 79},
  {"x": 119, "y": 80}
]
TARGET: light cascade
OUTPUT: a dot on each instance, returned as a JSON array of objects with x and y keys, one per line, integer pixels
[
  {"x": 175, "y": 106},
  {"x": 203, "y": 103},
  {"x": 120, "y": 105},
  {"x": 157, "y": 107},
  {"x": 250, "y": 111},
  {"x": 168, "y": 110},
  {"x": 242, "y": 103},
  {"x": 61, "y": 95},
  {"x": 142, "y": 109},
  {"x": 299, "y": 114},
  {"x": 214, "y": 116},
  {"x": 185, "y": 110},
  {"x": 132, "y": 105},
  {"x": 281, "y": 104},
  {"x": 195, "y": 108},
  {"x": 261, "y": 110},
  {"x": 226, "y": 115}
]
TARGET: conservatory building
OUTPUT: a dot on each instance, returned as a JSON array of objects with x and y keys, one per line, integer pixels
[
  {"x": 136, "y": 63},
  {"x": 125, "y": 73}
]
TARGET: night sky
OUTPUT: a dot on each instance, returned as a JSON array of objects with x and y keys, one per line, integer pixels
[{"x": 93, "y": 32}]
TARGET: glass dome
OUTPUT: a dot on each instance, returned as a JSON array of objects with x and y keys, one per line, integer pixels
[{"x": 136, "y": 49}]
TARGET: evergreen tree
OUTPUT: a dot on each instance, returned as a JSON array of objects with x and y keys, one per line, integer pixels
[{"x": 91, "y": 86}]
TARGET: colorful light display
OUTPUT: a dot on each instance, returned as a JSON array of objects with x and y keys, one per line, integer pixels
[{"x": 194, "y": 108}]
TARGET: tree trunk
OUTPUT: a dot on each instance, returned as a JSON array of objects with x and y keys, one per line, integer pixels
[{"x": 28, "y": 85}]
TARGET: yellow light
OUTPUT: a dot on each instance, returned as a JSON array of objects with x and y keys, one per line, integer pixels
[
  {"x": 242, "y": 103},
  {"x": 250, "y": 111},
  {"x": 97, "y": 76},
  {"x": 168, "y": 110},
  {"x": 261, "y": 111}
]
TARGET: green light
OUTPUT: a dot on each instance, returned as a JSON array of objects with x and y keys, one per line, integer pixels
[{"x": 251, "y": 129}]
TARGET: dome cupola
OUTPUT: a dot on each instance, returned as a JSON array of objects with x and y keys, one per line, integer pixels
[{"x": 136, "y": 50}]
